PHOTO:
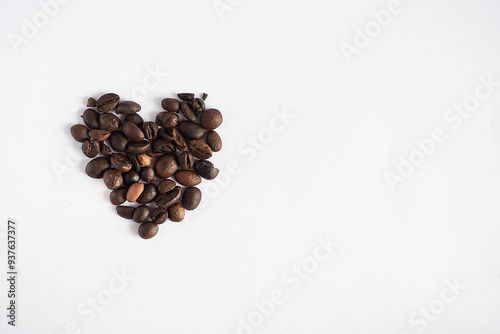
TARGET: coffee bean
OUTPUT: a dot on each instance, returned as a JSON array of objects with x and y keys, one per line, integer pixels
[
  {"x": 214, "y": 141},
  {"x": 91, "y": 102},
  {"x": 134, "y": 192},
  {"x": 166, "y": 134},
  {"x": 159, "y": 215},
  {"x": 187, "y": 112},
  {"x": 135, "y": 163},
  {"x": 148, "y": 195},
  {"x": 176, "y": 213},
  {"x": 105, "y": 150},
  {"x": 204, "y": 96},
  {"x": 139, "y": 148},
  {"x": 191, "y": 130},
  {"x": 154, "y": 154},
  {"x": 167, "y": 119},
  {"x": 165, "y": 186},
  {"x": 91, "y": 118},
  {"x": 131, "y": 177},
  {"x": 144, "y": 159},
  {"x": 107, "y": 102},
  {"x": 148, "y": 230},
  {"x": 118, "y": 196},
  {"x": 141, "y": 213},
  {"x": 120, "y": 162},
  {"x": 211, "y": 119},
  {"x": 150, "y": 130},
  {"x": 135, "y": 118},
  {"x": 148, "y": 174},
  {"x": 90, "y": 148},
  {"x": 112, "y": 178},
  {"x": 128, "y": 107},
  {"x": 179, "y": 140},
  {"x": 132, "y": 131},
  {"x": 126, "y": 212},
  {"x": 95, "y": 168},
  {"x": 206, "y": 170},
  {"x": 170, "y": 105},
  {"x": 198, "y": 105},
  {"x": 110, "y": 122},
  {"x": 79, "y": 132},
  {"x": 187, "y": 178},
  {"x": 118, "y": 141},
  {"x": 200, "y": 149},
  {"x": 166, "y": 165},
  {"x": 186, "y": 96},
  {"x": 186, "y": 160},
  {"x": 163, "y": 146},
  {"x": 169, "y": 198},
  {"x": 99, "y": 135},
  {"x": 191, "y": 198}
]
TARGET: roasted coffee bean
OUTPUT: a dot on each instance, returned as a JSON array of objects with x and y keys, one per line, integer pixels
[
  {"x": 148, "y": 230},
  {"x": 166, "y": 165},
  {"x": 105, "y": 150},
  {"x": 179, "y": 140},
  {"x": 120, "y": 162},
  {"x": 191, "y": 130},
  {"x": 141, "y": 213},
  {"x": 148, "y": 174},
  {"x": 95, "y": 168},
  {"x": 110, "y": 122},
  {"x": 186, "y": 160},
  {"x": 112, "y": 178},
  {"x": 139, "y": 147},
  {"x": 159, "y": 215},
  {"x": 170, "y": 105},
  {"x": 167, "y": 199},
  {"x": 79, "y": 132},
  {"x": 154, "y": 154},
  {"x": 118, "y": 196},
  {"x": 90, "y": 148},
  {"x": 148, "y": 195},
  {"x": 176, "y": 213},
  {"x": 134, "y": 192},
  {"x": 99, "y": 135},
  {"x": 211, "y": 119},
  {"x": 107, "y": 102},
  {"x": 204, "y": 96},
  {"x": 131, "y": 177},
  {"x": 186, "y": 96},
  {"x": 214, "y": 141},
  {"x": 165, "y": 186},
  {"x": 91, "y": 102},
  {"x": 128, "y": 107},
  {"x": 135, "y": 118},
  {"x": 166, "y": 134},
  {"x": 167, "y": 119},
  {"x": 118, "y": 141},
  {"x": 91, "y": 118},
  {"x": 135, "y": 163},
  {"x": 163, "y": 146},
  {"x": 198, "y": 105},
  {"x": 132, "y": 131},
  {"x": 150, "y": 130},
  {"x": 191, "y": 198},
  {"x": 206, "y": 170},
  {"x": 187, "y": 178},
  {"x": 188, "y": 112},
  {"x": 126, "y": 212},
  {"x": 200, "y": 149},
  {"x": 144, "y": 159}
]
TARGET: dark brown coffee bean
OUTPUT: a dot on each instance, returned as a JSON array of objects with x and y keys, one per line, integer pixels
[
  {"x": 186, "y": 96},
  {"x": 118, "y": 141},
  {"x": 163, "y": 146},
  {"x": 128, "y": 107},
  {"x": 110, "y": 122},
  {"x": 167, "y": 119},
  {"x": 120, "y": 162},
  {"x": 141, "y": 213},
  {"x": 167, "y": 199},
  {"x": 150, "y": 130},
  {"x": 166, "y": 134},
  {"x": 131, "y": 177},
  {"x": 191, "y": 130},
  {"x": 118, "y": 196},
  {"x": 159, "y": 215},
  {"x": 204, "y": 96},
  {"x": 170, "y": 105},
  {"x": 211, "y": 119},
  {"x": 95, "y": 168},
  {"x": 179, "y": 140},
  {"x": 107, "y": 102},
  {"x": 91, "y": 102},
  {"x": 187, "y": 178},
  {"x": 139, "y": 148},
  {"x": 206, "y": 170},
  {"x": 186, "y": 160},
  {"x": 99, "y": 135},
  {"x": 135, "y": 163},
  {"x": 134, "y": 192},
  {"x": 148, "y": 195},
  {"x": 200, "y": 149},
  {"x": 154, "y": 154},
  {"x": 166, "y": 165},
  {"x": 91, "y": 118},
  {"x": 105, "y": 150},
  {"x": 198, "y": 105},
  {"x": 79, "y": 132},
  {"x": 112, "y": 178},
  {"x": 148, "y": 230},
  {"x": 135, "y": 118},
  {"x": 187, "y": 112},
  {"x": 165, "y": 186},
  {"x": 176, "y": 213},
  {"x": 148, "y": 174},
  {"x": 90, "y": 148},
  {"x": 132, "y": 131},
  {"x": 126, "y": 212},
  {"x": 191, "y": 198},
  {"x": 214, "y": 141}
]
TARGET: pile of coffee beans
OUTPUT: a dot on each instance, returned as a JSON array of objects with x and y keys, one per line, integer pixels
[{"x": 155, "y": 166}]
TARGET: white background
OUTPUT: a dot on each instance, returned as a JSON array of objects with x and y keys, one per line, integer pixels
[{"x": 321, "y": 176}]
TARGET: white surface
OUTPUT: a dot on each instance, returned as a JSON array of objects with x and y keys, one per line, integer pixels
[{"x": 322, "y": 175}]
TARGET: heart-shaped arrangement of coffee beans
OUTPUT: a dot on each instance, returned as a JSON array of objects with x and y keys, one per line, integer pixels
[{"x": 139, "y": 158}]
